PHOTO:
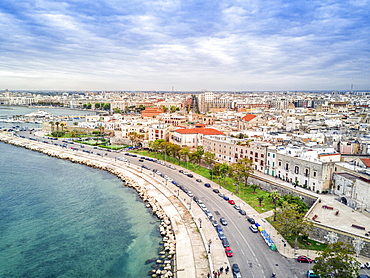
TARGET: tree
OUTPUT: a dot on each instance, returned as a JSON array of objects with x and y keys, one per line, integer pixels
[
  {"x": 216, "y": 171},
  {"x": 209, "y": 159},
  {"x": 97, "y": 105},
  {"x": 234, "y": 172},
  {"x": 260, "y": 199},
  {"x": 51, "y": 126},
  {"x": 174, "y": 109},
  {"x": 198, "y": 155},
  {"x": 224, "y": 170},
  {"x": 296, "y": 200},
  {"x": 62, "y": 125},
  {"x": 57, "y": 124},
  {"x": 184, "y": 153},
  {"x": 274, "y": 195},
  {"x": 135, "y": 138},
  {"x": 290, "y": 221},
  {"x": 117, "y": 110},
  {"x": 240, "y": 171},
  {"x": 336, "y": 261},
  {"x": 106, "y": 106},
  {"x": 254, "y": 187},
  {"x": 174, "y": 150}
]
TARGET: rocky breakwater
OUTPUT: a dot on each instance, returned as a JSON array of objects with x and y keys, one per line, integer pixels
[{"x": 164, "y": 264}]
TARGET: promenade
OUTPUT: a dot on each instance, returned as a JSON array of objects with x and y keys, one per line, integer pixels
[{"x": 192, "y": 258}]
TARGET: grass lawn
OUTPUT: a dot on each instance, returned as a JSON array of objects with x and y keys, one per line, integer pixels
[{"x": 302, "y": 243}]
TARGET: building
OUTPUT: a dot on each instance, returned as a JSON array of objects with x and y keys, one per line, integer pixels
[
  {"x": 151, "y": 112},
  {"x": 193, "y": 137},
  {"x": 311, "y": 168},
  {"x": 159, "y": 131}
]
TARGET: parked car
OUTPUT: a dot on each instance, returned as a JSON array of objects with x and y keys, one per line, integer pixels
[
  {"x": 226, "y": 198},
  {"x": 237, "y": 207},
  {"x": 253, "y": 228},
  {"x": 231, "y": 202},
  {"x": 223, "y": 221},
  {"x": 190, "y": 175},
  {"x": 229, "y": 252},
  {"x": 214, "y": 223},
  {"x": 207, "y": 185},
  {"x": 221, "y": 235},
  {"x": 218, "y": 228},
  {"x": 251, "y": 220},
  {"x": 216, "y": 190},
  {"x": 304, "y": 259},
  {"x": 198, "y": 180},
  {"x": 242, "y": 212},
  {"x": 222, "y": 195},
  {"x": 367, "y": 264},
  {"x": 196, "y": 199},
  {"x": 225, "y": 242},
  {"x": 311, "y": 274}
]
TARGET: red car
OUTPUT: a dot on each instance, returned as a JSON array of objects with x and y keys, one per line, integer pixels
[
  {"x": 231, "y": 202},
  {"x": 304, "y": 259},
  {"x": 228, "y": 252}
]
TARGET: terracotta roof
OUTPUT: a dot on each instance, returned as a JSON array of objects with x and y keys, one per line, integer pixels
[
  {"x": 204, "y": 131},
  {"x": 249, "y": 117},
  {"x": 366, "y": 161}
]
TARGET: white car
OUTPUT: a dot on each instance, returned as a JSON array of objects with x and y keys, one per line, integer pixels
[{"x": 367, "y": 264}]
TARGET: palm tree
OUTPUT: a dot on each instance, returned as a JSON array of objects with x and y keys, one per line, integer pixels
[
  {"x": 254, "y": 187},
  {"x": 51, "y": 126},
  {"x": 260, "y": 199},
  {"x": 62, "y": 125},
  {"x": 274, "y": 195},
  {"x": 57, "y": 124}
]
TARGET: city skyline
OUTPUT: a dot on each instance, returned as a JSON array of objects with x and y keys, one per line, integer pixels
[{"x": 187, "y": 45}]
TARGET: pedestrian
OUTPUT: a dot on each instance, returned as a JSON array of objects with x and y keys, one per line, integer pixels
[
  {"x": 218, "y": 274},
  {"x": 208, "y": 275},
  {"x": 221, "y": 269},
  {"x": 227, "y": 269}
]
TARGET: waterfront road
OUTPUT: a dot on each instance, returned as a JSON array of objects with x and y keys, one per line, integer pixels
[{"x": 250, "y": 252}]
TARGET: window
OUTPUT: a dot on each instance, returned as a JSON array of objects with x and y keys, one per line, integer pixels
[
  {"x": 314, "y": 173},
  {"x": 273, "y": 164},
  {"x": 296, "y": 170},
  {"x": 279, "y": 163},
  {"x": 286, "y": 167},
  {"x": 273, "y": 155},
  {"x": 268, "y": 154}
]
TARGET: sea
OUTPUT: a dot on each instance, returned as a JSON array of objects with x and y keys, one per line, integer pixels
[{"x": 61, "y": 219}]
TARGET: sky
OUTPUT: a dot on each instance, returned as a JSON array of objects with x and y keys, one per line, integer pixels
[{"x": 187, "y": 45}]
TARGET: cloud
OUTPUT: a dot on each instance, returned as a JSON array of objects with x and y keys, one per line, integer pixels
[{"x": 223, "y": 45}]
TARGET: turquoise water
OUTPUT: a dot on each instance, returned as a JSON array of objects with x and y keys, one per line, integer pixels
[{"x": 60, "y": 219}]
